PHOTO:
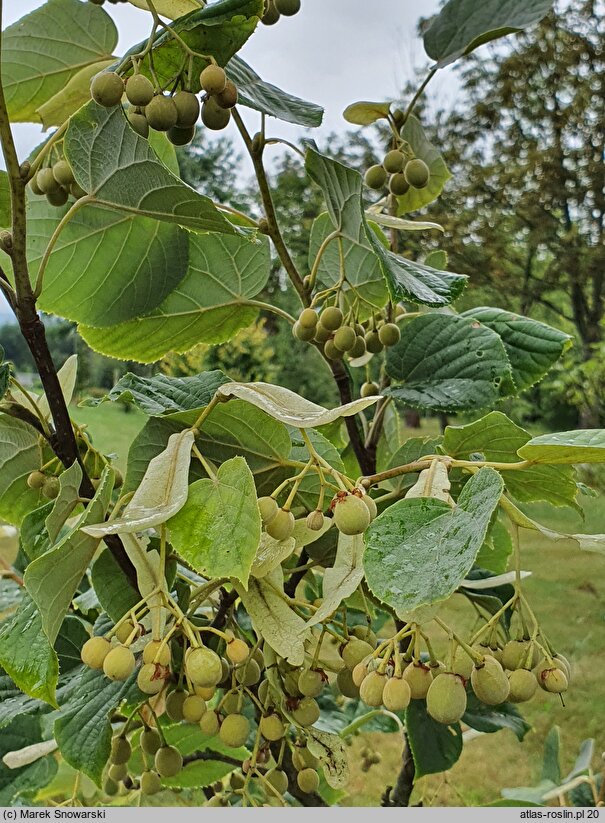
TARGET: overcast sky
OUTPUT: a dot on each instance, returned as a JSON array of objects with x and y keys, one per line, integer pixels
[{"x": 333, "y": 53}]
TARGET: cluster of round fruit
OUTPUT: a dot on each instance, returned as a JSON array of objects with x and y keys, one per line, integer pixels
[
  {"x": 352, "y": 512},
  {"x": 339, "y": 337},
  {"x": 175, "y": 114},
  {"x": 445, "y": 689},
  {"x": 57, "y": 183},
  {"x": 47, "y": 484},
  {"x": 274, "y": 9},
  {"x": 369, "y": 758},
  {"x": 400, "y": 171}
]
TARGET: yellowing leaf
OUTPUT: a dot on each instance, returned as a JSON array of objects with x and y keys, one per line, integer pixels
[
  {"x": 149, "y": 577},
  {"x": 365, "y": 113},
  {"x": 290, "y": 408},
  {"x": 169, "y": 8},
  {"x": 273, "y": 619},
  {"x": 162, "y": 493},
  {"x": 75, "y": 93},
  {"x": 433, "y": 482},
  {"x": 331, "y": 751},
  {"x": 343, "y": 578},
  {"x": 270, "y": 554}
]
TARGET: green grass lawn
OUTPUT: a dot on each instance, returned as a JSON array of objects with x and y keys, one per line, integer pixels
[{"x": 567, "y": 590}]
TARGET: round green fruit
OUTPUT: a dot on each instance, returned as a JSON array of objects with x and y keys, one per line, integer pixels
[
  {"x": 417, "y": 173},
  {"x": 234, "y": 730},
  {"x": 308, "y": 319},
  {"x": 150, "y": 741},
  {"x": 118, "y": 772},
  {"x": 310, "y": 683},
  {"x": 151, "y": 678},
  {"x": 188, "y": 109},
  {"x": 344, "y": 681},
  {"x": 369, "y": 390},
  {"x": 514, "y": 654},
  {"x": 271, "y": 15},
  {"x": 249, "y": 674},
  {"x": 364, "y": 632},
  {"x": 194, "y": 708},
  {"x": 107, "y": 89},
  {"x": 45, "y": 181},
  {"x": 110, "y": 787},
  {"x": 150, "y": 783},
  {"x": 174, "y": 705},
  {"x": 139, "y": 90},
  {"x": 315, "y": 521},
  {"x": 419, "y": 679},
  {"x": 157, "y": 652},
  {"x": 322, "y": 335},
  {"x": 375, "y": 178},
  {"x": 553, "y": 680},
  {"x": 94, "y": 652},
  {"x": 308, "y": 781},
  {"x": 161, "y": 113},
  {"x": 359, "y": 349},
  {"x": 209, "y": 724},
  {"x": 331, "y": 318},
  {"x": 63, "y": 173},
  {"x": 168, "y": 761},
  {"x": 214, "y": 117},
  {"x": 57, "y": 198},
  {"x": 307, "y": 712},
  {"x": 446, "y": 698},
  {"x": 121, "y": 751},
  {"x": 119, "y": 663},
  {"x": 287, "y": 7},
  {"x": 397, "y": 694},
  {"x": 181, "y": 136},
  {"x": 345, "y": 338},
  {"x": 213, "y": 79},
  {"x": 463, "y": 664},
  {"x": 523, "y": 685},
  {"x": 354, "y": 652},
  {"x": 371, "y": 506},
  {"x": 373, "y": 344},
  {"x": 282, "y": 525},
  {"x": 332, "y": 352},
  {"x": 302, "y": 333},
  {"x": 203, "y": 667},
  {"x": 227, "y": 99},
  {"x": 389, "y": 335},
  {"x": 489, "y": 682},
  {"x": 303, "y": 759},
  {"x": 351, "y": 515},
  {"x": 268, "y": 509},
  {"x": 237, "y": 651},
  {"x": 372, "y": 689},
  {"x": 272, "y": 727},
  {"x": 36, "y": 480},
  {"x": 398, "y": 185},
  {"x": 138, "y": 122},
  {"x": 277, "y": 779},
  {"x": 394, "y": 161}
]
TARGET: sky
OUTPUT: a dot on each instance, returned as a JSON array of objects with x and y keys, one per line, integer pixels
[{"x": 333, "y": 52}]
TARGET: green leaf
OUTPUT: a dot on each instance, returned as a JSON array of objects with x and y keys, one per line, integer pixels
[
  {"x": 220, "y": 29},
  {"x": 498, "y": 439},
  {"x": 162, "y": 493},
  {"x": 168, "y": 8},
  {"x": 584, "y": 542},
  {"x": 53, "y": 578},
  {"x": 45, "y": 49},
  {"x": 65, "y": 502},
  {"x": 416, "y": 199},
  {"x": 115, "y": 593},
  {"x": 417, "y": 282},
  {"x": 532, "y": 347},
  {"x": 33, "y": 535},
  {"x": 582, "y": 446},
  {"x": 290, "y": 408},
  {"x": 365, "y": 114},
  {"x": 96, "y": 272},
  {"x": 447, "y": 363},
  {"x": 23, "y": 731},
  {"x": 365, "y": 283},
  {"x": 402, "y": 567},
  {"x": 219, "y": 528},
  {"x": 120, "y": 170},
  {"x": 72, "y": 96},
  {"x": 462, "y": 25},
  {"x": 5, "y": 374},
  {"x": 340, "y": 581},
  {"x": 310, "y": 487},
  {"x": 19, "y": 456},
  {"x": 496, "y": 549},
  {"x": 68, "y": 645},
  {"x": 332, "y": 754},
  {"x": 435, "y": 747},
  {"x": 272, "y": 617},
  {"x": 149, "y": 442},
  {"x": 26, "y": 654},
  {"x": 208, "y": 305},
  {"x": 412, "y": 450},
  {"x": 490, "y": 719},
  {"x": 343, "y": 191},
  {"x": 177, "y": 398},
  {"x": 256, "y": 94},
  {"x": 83, "y": 730}
]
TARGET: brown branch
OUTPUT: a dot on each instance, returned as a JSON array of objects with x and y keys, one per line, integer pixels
[
  {"x": 400, "y": 794},
  {"x": 366, "y": 458},
  {"x": 227, "y": 599},
  {"x": 208, "y": 755}
]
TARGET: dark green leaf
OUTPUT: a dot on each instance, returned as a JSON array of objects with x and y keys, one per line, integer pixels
[
  {"x": 435, "y": 747},
  {"x": 23, "y": 731},
  {"x": 493, "y": 718},
  {"x": 72, "y": 636},
  {"x": 114, "y": 591},
  {"x": 19, "y": 456}
]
